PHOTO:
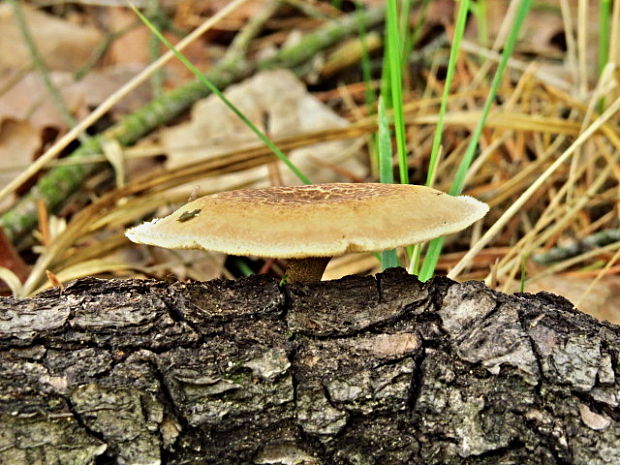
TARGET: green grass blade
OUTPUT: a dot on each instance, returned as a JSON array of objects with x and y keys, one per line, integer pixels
[
  {"x": 603, "y": 34},
  {"x": 459, "y": 30},
  {"x": 436, "y": 245},
  {"x": 396, "y": 90},
  {"x": 384, "y": 90},
  {"x": 603, "y": 41},
  {"x": 431, "y": 258},
  {"x": 459, "y": 181},
  {"x": 454, "y": 53},
  {"x": 389, "y": 259},
  {"x": 414, "y": 259},
  {"x": 404, "y": 31},
  {"x": 243, "y": 267},
  {"x": 481, "y": 12},
  {"x": 277, "y": 152}
]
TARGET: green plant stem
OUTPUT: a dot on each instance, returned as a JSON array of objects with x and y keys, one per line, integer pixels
[
  {"x": 481, "y": 12},
  {"x": 603, "y": 35},
  {"x": 603, "y": 38},
  {"x": 60, "y": 182},
  {"x": 241, "y": 42},
  {"x": 330, "y": 34},
  {"x": 436, "y": 245},
  {"x": 454, "y": 53},
  {"x": 395, "y": 66},
  {"x": 389, "y": 259},
  {"x": 414, "y": 266}
]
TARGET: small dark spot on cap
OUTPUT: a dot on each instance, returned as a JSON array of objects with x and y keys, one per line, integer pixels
[{"x": 186, "y": 216}]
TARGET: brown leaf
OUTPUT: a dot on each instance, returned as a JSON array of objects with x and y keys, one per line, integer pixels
[
  {"x": 278, "y": 103},
  {"x": 19, "y": 142},
  {"x": 63, "y": 45},
  {"x": 10, "y": 258},
  {"x": 29, "y": 100},
  {"x": 133, "y": 45}
]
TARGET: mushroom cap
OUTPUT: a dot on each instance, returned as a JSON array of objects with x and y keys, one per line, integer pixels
[{"x": 322, "y": 220}]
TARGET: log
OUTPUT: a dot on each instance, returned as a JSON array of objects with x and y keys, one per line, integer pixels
[{"x": 363, "y": 370}]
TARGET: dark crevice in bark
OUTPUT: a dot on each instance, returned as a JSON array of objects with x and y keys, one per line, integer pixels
[
  {"x": 499, "y": 453},
  {"x": 416, "y": 378},
  {"x": 170, "y": 405},
  {"x": 80, "y": 421},
  {"x": 286, "y": 300},
  {"x": 173, "y": 309},
  {"x": 533, "y": 346}
]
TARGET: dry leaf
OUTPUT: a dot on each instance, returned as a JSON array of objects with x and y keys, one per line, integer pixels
[
  {"x": 100, "y": 84},
  {"x": 113, "y": 152},
  {"x": 63, "y": 45},
  {"x": 133, "y": 45},
  {"x": 11, "y": 260},
  {"x": 10, "y": 279},
  {"x": 539, "y": 32},
  {"x": 28, "y": 100},
  {"x": 543, "y": 33},
  {"x": 279, "y": 104},
  {"x": 19, "y": 142},
  {"x": 195, "y": 11},
  {"x": 440, "y": 11}
]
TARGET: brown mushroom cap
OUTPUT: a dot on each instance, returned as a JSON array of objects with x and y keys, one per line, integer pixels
[{"x": 322, "y": 220}]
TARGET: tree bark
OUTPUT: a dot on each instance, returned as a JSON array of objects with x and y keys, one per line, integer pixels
[{"x": 363, "y": 370}]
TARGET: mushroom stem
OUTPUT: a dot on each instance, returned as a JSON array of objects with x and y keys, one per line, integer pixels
[{"x": 306, "y": 269}]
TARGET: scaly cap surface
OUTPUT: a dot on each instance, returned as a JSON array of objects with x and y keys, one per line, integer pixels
[{"x": 322, "y": 220}]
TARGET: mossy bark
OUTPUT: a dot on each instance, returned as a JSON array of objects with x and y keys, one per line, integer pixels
[{"x": 364, "y": 370}]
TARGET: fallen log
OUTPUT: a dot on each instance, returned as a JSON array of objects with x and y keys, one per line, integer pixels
[{"x": 363, "y": 370}]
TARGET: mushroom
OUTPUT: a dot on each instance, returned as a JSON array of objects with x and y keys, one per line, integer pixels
[{"x": 310, "y": 224}]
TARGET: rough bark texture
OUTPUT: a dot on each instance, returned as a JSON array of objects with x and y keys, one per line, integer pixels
[{"x": 364, "y": 370}]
